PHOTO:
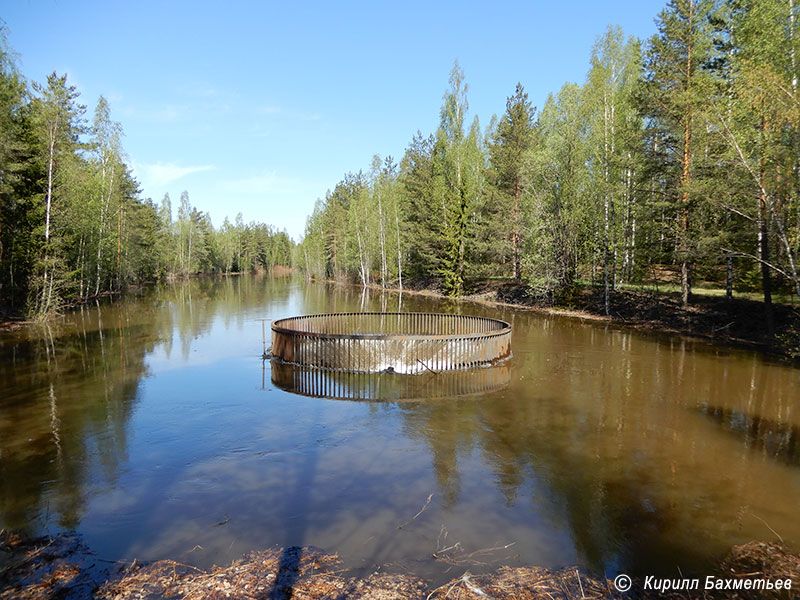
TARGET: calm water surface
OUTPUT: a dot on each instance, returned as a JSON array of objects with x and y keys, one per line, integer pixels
[{"x": 153, "y": 427}]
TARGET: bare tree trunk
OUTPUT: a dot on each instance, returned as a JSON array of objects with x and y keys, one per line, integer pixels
[
  {"x": 606, "y": 208},
  {"x": 119, "y": 248},
  {"x": 728, "y": 277},
  {"x": 81, "y": 263},
  {"x": 515, "y": 234},
  {"x": 792, "y": 274},
  {"x": 105, "y": 196},
  {"x": 189, "y": 251},
  {"x": 399, "y": 252},
  {"x": 382, "y": 233},
  {"x": 686, "y": 286},
  {"x": 50, "y": 165},
  {"x": 763, "y": 237},
  {"x": 361, "y": 258},
  {"x": 791, "y": 46}
]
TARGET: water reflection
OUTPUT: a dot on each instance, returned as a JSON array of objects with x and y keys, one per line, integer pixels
[
  {"x": 67, "y": 397},
  {"x": 142, "y": 423},
  {"x": 342, "y": 385},
  {"x": 69, "y": 388},
  {"x": 769, "y": 438}
]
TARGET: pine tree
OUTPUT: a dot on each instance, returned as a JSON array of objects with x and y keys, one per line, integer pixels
[
  {"x": 18, "y": 175},
  {"x": 508, "y": 154},
  {"x": 677, "y": 92},
  {"x": 417, "y": 204}
]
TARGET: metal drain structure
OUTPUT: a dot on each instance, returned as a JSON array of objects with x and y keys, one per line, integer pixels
[
  {"x": 344, "y": 385},
  {"x": 409, "y": 343}
]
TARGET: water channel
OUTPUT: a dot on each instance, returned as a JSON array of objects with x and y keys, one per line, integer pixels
[{"x": 152, "y": 426}]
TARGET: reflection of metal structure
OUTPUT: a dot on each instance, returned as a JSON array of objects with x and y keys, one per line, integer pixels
[
  {"x": 394, "y": 342},
  {"x": 344, "y": 385}
]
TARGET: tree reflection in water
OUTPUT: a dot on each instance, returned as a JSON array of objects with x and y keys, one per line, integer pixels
[{"x": 593, "y": 445}]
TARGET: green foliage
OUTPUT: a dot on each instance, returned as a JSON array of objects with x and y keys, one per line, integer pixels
[
  {"x": 679, "y": 88},
  {"x": 72, "y": 222},
  {"x": 676, "y": 155},
  {"x": 509, "y": 177},
  {"x": 457, "y": 183},
  {"x": 560, "y": 213}
]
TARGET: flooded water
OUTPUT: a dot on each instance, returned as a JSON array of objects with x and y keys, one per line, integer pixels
[{"x": 153, "y": 427}]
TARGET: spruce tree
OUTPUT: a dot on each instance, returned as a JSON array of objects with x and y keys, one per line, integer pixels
[{"x": 508, "y": 155}]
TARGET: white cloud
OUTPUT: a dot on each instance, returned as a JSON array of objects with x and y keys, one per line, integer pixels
[{"x": 159, "y": 175}]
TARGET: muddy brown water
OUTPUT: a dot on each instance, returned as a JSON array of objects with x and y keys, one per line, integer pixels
[{"x": 152, "y": 427}]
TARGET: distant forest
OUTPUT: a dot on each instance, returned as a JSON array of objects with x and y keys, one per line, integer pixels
[
  {"x": 72, "y": 223},
  {"x": 676, "y": 158}
]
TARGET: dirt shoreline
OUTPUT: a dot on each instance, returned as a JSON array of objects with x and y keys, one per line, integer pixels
[
  {"x": 64, "y": 567},
  {"x": 738, "y": 322}
]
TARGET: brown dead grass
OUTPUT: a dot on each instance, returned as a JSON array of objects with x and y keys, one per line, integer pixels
[{"x": 63, "y": 567}]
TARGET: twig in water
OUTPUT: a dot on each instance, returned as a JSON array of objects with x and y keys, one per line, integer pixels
[
  {"x": 487, "y": 550},
  {"x": 439, "y": 539},
  {"x": 770, "y": 528},
  {"x": 424, "y": 506}
]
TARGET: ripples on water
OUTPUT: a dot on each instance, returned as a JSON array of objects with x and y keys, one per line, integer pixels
[{"x": 152, "y": 426}]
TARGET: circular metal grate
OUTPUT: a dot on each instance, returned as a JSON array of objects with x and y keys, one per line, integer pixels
[
  {"x": 391, "y": 342},
  {"x": 345, "y": 385}
]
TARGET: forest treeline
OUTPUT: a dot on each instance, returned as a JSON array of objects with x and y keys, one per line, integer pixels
[
  {"x": 72, "y": 222},
  {"x": 678, "y": 155}
]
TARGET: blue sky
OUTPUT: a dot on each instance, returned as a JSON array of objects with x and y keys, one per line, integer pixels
[{"x": 260, "y": 107}]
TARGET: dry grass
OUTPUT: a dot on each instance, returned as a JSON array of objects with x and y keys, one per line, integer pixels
[{"x": 62, "y": 567}]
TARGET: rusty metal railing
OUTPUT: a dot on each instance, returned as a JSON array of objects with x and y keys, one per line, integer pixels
[{"x": 408, "y": 343}]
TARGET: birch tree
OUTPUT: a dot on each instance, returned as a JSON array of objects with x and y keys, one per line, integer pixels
[
  {"x": 614, "y": 133},
  {"x": 58, "y": 120}
]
